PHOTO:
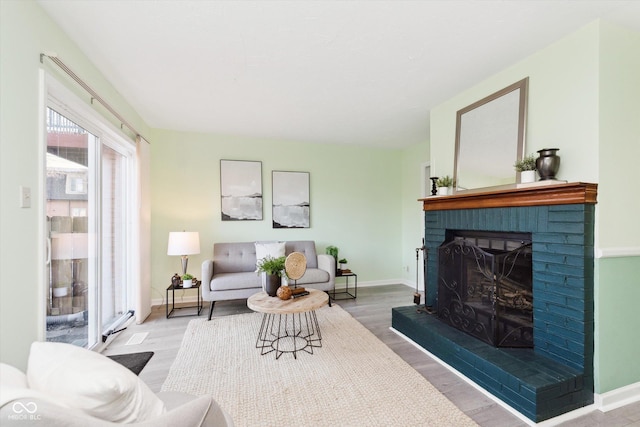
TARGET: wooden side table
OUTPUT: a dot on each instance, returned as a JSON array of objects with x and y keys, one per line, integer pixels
[
  {"x": 288, "y": 326},
  {"x": 173, "y": 289}
]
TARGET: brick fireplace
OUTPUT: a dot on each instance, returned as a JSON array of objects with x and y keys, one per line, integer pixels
[{"x": 556, "y": 375}]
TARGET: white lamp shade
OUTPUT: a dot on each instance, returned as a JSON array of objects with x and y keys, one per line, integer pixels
[{"x": 183, "y": 243}]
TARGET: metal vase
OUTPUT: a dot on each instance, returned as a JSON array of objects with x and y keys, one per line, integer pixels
[
  {"x": 548, "y": 163},
  {"x": 272, "y": 285}
]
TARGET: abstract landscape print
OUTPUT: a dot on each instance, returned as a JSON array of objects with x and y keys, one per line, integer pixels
[
  {"x": 291, "y": 201},
  {"x": 241, "y": 190}
]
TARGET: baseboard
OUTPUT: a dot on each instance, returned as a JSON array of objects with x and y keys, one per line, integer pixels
[{"x": 617, "y": 398}]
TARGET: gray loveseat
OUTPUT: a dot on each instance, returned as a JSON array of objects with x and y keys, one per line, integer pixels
[{"x": 231, "y": 274}]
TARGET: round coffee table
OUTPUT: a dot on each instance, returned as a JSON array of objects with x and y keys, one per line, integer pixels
[{"x": 288, "y": 326}]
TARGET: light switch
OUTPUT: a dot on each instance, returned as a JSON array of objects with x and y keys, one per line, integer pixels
[{"x": 25, "y": 197}]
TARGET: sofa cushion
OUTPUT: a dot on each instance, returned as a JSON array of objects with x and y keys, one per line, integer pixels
[
  {"x": 88, "y": 381},
  {"x": 306, "y": 247},
  {"x": 234, "y": 257},
  {"x": 232, "y": 281}
]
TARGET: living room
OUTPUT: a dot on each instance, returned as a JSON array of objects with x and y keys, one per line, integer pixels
[{"x": 364, "y": 199}]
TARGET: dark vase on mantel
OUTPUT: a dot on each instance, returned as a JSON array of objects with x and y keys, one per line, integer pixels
[{"x": 548, "y": 163}]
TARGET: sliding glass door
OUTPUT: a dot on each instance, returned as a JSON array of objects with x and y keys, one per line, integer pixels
[
  {"x": 87, "y": 215},
  {"x": 114, "y": 266},
  {"x": 70, "y": 204}
]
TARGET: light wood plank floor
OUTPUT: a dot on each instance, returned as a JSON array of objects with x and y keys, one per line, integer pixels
[{"x": 373, "y": 309}]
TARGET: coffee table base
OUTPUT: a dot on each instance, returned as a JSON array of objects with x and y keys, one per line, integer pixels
[{"x": 289, "y": 333}]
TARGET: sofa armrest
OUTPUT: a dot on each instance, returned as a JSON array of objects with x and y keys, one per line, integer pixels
[
  {"x": 207, "y": 275},
  {"x": 328, "y": 264},
  {"x": 202, "y": 411}
]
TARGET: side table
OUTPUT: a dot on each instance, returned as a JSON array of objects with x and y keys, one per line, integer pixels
[
  {"x": 173, "y": 289},
  {"x": 346, "y": 294}
]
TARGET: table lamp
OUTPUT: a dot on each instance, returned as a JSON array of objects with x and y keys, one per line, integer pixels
[{"x": 184, "y": 243}]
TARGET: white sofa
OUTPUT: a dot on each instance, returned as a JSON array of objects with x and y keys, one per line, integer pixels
[
  {"x": 70, "y": 386},
  {"x": 231, "y": 274}
]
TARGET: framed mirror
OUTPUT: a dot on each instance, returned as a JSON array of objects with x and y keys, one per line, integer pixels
[{"x": 490, "y": 138}]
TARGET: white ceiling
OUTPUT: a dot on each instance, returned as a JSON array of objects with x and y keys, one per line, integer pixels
[{"x": 353, "y": 72}]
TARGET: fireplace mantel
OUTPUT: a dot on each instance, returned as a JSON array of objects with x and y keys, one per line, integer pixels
[{"x": 498, "y": 197}]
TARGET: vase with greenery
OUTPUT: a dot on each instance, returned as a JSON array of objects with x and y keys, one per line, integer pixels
[
  {"x": 273, "y": 268},
  {"x": 342, "y": 262},
  {"x": 527, "y": 168},
  {"x": 443, "y": 185}
]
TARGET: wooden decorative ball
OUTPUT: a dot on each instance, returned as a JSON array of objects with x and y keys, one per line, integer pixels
[{"x": 284, "y": 292}]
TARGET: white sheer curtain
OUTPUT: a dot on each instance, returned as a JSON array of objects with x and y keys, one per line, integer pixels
[{"x": 143, "y": 297}]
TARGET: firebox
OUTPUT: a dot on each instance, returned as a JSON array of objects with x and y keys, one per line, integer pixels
[{"x": 485, "y": 286}]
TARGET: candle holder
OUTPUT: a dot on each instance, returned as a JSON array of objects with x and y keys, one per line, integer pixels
[{"x": 434, "y": 187}]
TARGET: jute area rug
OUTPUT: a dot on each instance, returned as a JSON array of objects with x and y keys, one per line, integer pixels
[{"x": 352, "y": 380}]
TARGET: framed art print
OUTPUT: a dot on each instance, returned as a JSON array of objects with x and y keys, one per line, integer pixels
[
  {"x": 291, "y": 201},
  {"x": 241, "y": 190}
]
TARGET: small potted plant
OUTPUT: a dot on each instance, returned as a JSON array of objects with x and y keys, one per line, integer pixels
[
  {"x": 443, "y": 185},
  {"x": 343, "y": 262},
  {"x": 187, "y": 280},
  {"x": 527, "y": 168},
  {"x": 273, "y": 268}
]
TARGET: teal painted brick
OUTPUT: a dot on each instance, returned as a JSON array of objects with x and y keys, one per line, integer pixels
[
  {"x": 543, "y": 219},
  {"x": 564, "y": 289},
  {"x": 569, "y": 239},
  {"x": 565, "y": 227},
  {"x": 566, "y": 217},
  {"x": 567, "y": 208},
  {"x": 550, "y": 297},
  {"x": 560, "y": 248},
  {"x": 558, "y": 269},
  {"x": 561, "y": 259},
  {"x": 560, "y": 310},
  {"x": 568, "y": 285}
]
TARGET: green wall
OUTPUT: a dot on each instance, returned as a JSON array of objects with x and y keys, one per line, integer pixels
[
  {"x": 356, "y": 200},
  {"x": 413, "y": 160},
  {"x": 618, "y": 277},
  {"x": 583, "y": 99},
  {"x": 25, "y": 32}
]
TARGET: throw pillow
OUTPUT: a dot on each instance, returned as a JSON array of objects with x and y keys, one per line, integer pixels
[
  {"x": 271, "y": 249},
  {"x": 88, "y": 381}
]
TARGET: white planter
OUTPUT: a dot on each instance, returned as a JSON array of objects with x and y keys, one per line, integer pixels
[
  {"x": 443, "y": 191},
  {"x": 527, "y": 176},
  {"x": 187, "y": 283}
]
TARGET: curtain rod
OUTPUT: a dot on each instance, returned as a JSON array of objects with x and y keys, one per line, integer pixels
[{"x": 93, "y": 93}]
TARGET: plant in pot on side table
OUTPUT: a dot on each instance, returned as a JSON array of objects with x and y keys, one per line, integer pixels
[
  {"x": 187, "y": 280},
  {"x": 273, "y": 267}
]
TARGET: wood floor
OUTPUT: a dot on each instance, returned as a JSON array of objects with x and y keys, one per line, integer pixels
[{"x": 373, "y": 309}]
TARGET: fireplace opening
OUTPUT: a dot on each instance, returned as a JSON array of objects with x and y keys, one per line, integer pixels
[{"x": 485, "y": 286}]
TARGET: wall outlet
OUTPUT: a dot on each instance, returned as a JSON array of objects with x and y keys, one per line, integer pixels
[{"x": 406, "y": 268}]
